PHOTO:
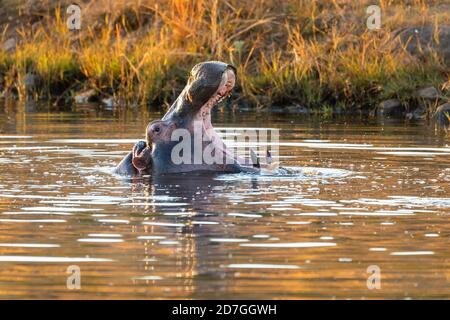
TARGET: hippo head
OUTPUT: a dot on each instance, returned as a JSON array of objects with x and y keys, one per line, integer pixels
[{"x": 189, "y": 119}]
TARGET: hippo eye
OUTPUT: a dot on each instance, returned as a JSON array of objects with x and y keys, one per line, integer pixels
[{"x": 157, "y": 129}]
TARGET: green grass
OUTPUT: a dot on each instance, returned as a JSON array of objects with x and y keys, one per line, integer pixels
[{"x": 318, "y": 54}]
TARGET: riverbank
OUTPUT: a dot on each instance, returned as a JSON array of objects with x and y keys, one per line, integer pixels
[{"x": 294, "y": 55}]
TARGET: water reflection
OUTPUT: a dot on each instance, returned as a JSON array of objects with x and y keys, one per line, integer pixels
[{"x": 355, "y": 195}]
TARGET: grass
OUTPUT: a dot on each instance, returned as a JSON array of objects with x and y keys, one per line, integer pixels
[{"x": 314, "y": 53}]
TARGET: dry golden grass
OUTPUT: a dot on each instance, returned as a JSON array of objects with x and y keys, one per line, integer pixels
[{"x": 315, "y": 53}]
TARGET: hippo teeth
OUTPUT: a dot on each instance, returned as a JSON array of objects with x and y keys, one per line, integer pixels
[{"x": 220, "y": 97}]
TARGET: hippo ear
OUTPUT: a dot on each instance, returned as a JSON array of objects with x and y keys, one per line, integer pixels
[{"x": 142, "y": 156}]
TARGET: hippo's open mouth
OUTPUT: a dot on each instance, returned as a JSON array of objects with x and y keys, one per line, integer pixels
[
  {"x": 209, "y": 84},
  {"x": 203, "y": 116}
]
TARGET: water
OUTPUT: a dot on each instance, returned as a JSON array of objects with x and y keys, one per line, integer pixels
[{"x": 361, "y": 195}]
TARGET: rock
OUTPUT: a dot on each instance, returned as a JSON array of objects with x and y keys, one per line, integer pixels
[
  {"x": 391, "y": 108},
  {"x": 430, "y": 93},
  {"x": 30, "y": 105},
  {"x": 442, "y": 115},
  {"x": 243, "y": 108},
  {"x": 296, "y": 109},
  {"x": 31, "y": 82},
  {"x": 418, "y": 114},
  {"x": 86, "y": 97},
  {"x": 422, "y": 41},
  {"x": 9, "y": 45},
  {"x": 244, "y": 104},
  {"x": 109, "y": 102},
  {"x": 273, "y": 109},
  {"x": 263, "y": 100}
]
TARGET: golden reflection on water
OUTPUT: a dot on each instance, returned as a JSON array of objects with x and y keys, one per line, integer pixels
[{"x": 364, "y": 194}]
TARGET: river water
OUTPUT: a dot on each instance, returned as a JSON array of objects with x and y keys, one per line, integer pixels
[{"x": 367, "y": 202}]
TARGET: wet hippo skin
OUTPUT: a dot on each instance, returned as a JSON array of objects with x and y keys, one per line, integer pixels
[{"x": 209, "y": 83}]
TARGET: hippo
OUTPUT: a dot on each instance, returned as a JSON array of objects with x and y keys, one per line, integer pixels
[{"x": 172, "y": 144}]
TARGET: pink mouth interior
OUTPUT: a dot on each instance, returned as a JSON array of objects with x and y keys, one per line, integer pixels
[{"x": 204, "y": 114}]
